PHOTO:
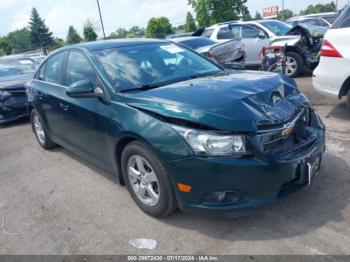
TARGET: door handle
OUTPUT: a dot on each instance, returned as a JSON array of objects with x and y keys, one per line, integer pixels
[
  {"x": 40, "y": 95},
  {"x": 64, "y": 106}
]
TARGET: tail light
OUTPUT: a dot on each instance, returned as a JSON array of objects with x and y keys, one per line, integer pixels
[{"x": 329, "y": 50}]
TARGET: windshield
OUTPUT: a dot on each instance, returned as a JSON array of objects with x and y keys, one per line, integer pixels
[
  {"x": 277, "y": 27},
  {"x": 136, "y": 66},
  {"x": 15, "y": 67},
  {"x": 197, "y": 43}
]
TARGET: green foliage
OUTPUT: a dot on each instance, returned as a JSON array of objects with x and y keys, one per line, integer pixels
[
  {"x": 58, "y": 42},
  {"x": 137, "y": 31},
  {"x": 40, "y": 35},
  {"x": 19, "y": 40},
  {"x": 285, "y": 14},
  {"x": 190, "y": 24},
  {"x": 246, "y": 16},
  {"x": 73, "y": 37},
  {"x": 4, "y": 45},
  {"x": 2, "y": 52},
  {"x": 121, "y": 32},
  {"x": 258, "y": 16},
  {"x": 89, "y": 32},
  {"x": 210, "y": 12},
  {"x": 159, "y": 27},
  {"x": 319, "y": 8}
]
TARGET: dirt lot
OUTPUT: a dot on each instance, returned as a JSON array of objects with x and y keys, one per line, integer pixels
[{"x": 56, "y": 203}]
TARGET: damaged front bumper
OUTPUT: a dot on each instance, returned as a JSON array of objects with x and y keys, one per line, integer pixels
[
  {"x": 228, "y": 186},
  {"x": 13, "y": 105}
]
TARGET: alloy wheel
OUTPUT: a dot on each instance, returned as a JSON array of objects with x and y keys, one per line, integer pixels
[
  {"x": 291, "y": 65},
  {"x": 39, "y": 131},
  {"x": 143, "y": 180}
]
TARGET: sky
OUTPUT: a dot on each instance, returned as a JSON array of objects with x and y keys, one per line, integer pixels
[{"x": 60, "y": 14}]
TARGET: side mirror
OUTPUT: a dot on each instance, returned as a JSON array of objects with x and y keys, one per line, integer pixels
[{"x": 84, "y": 89}]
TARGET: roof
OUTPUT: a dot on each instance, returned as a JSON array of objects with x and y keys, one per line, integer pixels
[
  {"x": 115, "y": 43},
  {"x": 185, "y": 38}
]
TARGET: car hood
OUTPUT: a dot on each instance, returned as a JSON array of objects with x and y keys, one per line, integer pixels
[
  {"x": 14, "y": 82},
  {"x": 239, "y": 101}
]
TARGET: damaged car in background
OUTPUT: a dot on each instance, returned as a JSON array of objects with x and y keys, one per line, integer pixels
[
  {"x": 302, "y": 42},
  {"x": 229, "y": 54},
  {"x": 15, "y": 71},
  {"x": 176, "y": 128}
]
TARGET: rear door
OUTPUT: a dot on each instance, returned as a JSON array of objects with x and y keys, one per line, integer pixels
[{"x": 49, "y": 93}]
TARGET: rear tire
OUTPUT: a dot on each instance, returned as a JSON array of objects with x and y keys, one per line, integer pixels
[
  {"x": 40, "y": 131},
  {"x": 155, "y": 196},
  {"x": 294, "y": 64}
]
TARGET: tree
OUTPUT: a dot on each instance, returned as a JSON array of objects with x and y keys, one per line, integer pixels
[
  {"x": 4, "y": 45},
  {"x": 210, "y": 12},
  {"x": 73, "y": 37},
  {"x": 285, "y": 14},
  {"x": 190, "y": 24},
  {"x": 257, "y": 16},
  {"x": 319, "y": 8},
  {"x": 19, "y": 40},
  {"x": 159, "y": 27},
  {"x": 121, "y": 32},
  {"x": 40, "y": 34},
  {"x": 246, "y": 16},
  {"x": 137, "y": 31},
  {"x": 89, "y": 32}
]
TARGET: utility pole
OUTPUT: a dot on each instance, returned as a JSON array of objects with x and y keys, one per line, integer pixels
[
  {"x": 103, "y": 28},
  {"x": 283, "y": 10}
]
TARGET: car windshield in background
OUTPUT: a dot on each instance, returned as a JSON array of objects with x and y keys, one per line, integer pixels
[
  {"x": 11, "y": 68},
  {"x": 198, "y": 43},
  {"x": 277, "y": 27},
  {"x": 150, "y": 65}
]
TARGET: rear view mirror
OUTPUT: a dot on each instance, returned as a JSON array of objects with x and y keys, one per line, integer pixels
[
  {"x": 83, "y": 89},
  {"x": 261, "y": 35}
]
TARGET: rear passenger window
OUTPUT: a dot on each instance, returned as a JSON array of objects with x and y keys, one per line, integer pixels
[
  {"x": 53, "y": 70},
  {"x": 207, "y": 33},
  {"x": 79, "y": 68},
  {"x": 225, "y": 33}
]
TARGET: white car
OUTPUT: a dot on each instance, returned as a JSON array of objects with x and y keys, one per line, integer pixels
[
  {"x": 263, "y": 33},
  {"x": 332, "y": 76}
]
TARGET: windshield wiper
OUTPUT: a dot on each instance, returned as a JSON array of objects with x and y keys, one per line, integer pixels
[{"x": 141, "y": 88}]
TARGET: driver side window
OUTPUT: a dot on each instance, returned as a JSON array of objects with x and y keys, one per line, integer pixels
[{"x": 79, "y": 68}]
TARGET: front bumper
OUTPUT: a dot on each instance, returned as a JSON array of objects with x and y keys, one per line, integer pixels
[
  {"x": 13, "y": 108},
  {"x": 257, "y": 180}
]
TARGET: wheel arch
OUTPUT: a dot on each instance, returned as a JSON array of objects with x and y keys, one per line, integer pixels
[{"x": 344, "y": 88}]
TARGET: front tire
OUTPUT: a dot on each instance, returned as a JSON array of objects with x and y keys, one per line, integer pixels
[
  {"x": 40, "y": 131},
  {"x": 147, "y": 180},
  {"x": 294, "y": 64}
]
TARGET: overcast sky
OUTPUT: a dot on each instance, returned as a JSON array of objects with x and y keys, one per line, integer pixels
[{"x": 60, "y": 14}]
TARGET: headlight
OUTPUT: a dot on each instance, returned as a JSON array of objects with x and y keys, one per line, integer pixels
[
  {"x": 4, "y": 95},
  {"x": 213, "y": 144}
]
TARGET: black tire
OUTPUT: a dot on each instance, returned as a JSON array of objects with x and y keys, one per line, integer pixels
[
  {"x": 45, "y": 143},
  {"x": 348, "y": 101},
  {"x": 299, "y": 63},
  {"x": 167, "y": 201}
]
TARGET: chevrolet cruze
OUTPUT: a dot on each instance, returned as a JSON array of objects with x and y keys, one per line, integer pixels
[{"x": 176, "y": 128}]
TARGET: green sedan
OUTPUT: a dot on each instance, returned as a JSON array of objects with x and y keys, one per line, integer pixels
[{"x": 175, "y": 128}]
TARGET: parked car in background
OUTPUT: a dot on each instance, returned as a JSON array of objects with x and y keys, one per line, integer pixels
[
  {"x": 15, "y": 71},
  {"x": 176, "y": 128},
  {"x": 315, "y": 21},
  {"x": 332, "y": 76},
  {"x": 301, "y": 54},
  {"x": 229, "y": 54},
  {"x": 330, "y": 17}
]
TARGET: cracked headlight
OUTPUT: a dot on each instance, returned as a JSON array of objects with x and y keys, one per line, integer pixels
[{"x": 213, "y": 144}]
